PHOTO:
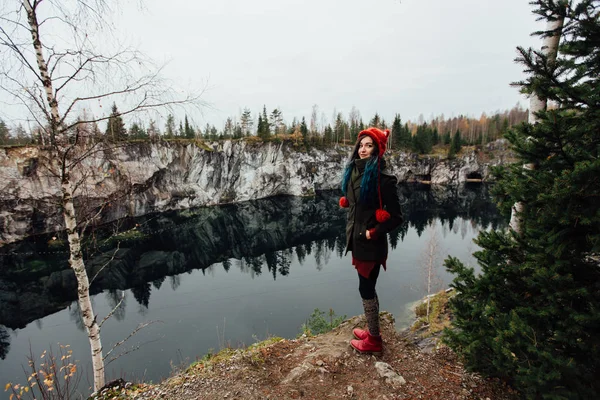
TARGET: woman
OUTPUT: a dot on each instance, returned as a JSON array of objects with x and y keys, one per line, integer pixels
[{"x": 371, "y": 196}]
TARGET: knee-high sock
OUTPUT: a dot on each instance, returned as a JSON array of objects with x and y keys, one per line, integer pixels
[{"x": 371, "y": 307}]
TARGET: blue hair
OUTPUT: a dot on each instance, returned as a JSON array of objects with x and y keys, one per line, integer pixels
[
  {"x": 368, "y": 184},
  {"x": 347, "y": 175}
]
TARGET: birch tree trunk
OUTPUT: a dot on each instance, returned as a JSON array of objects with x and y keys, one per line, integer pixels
[
  {"x": 58, "y": 143},
  {"x": 83, "y": 285},
  {"x": 537, "y": 104},
  {"x": 70, "y": 72}
]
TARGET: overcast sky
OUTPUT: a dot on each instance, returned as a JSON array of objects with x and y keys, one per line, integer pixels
[{"x": 388, "y": 56}]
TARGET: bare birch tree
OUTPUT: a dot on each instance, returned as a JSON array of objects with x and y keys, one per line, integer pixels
[
  {"x": 537, "y": 104},
  {"x": 52, "y": 66}
]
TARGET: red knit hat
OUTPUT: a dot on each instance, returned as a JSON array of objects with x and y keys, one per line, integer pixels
[{"x": 380, "y": 138}]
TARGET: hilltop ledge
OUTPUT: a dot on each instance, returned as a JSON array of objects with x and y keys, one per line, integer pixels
[{"x": 325, "y": 366}]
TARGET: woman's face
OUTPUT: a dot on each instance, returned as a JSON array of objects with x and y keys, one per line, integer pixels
[{"x": 365, "y": 148}]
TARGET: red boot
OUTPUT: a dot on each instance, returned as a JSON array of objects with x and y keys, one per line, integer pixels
[
  {"x": 360, "y": 334},
  {"x": 370, "y": 345}
]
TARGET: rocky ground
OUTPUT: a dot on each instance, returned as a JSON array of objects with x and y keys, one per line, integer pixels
[{"x": 325, "y": 367}]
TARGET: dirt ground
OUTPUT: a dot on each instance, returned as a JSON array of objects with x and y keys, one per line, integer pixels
[{"x": 325, "y": 367}]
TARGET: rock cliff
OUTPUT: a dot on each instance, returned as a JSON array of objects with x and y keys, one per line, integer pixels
[{"x": 140, "y": 178}]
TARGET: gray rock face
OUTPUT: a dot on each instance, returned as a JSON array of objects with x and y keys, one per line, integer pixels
[{"x": 141, "y": 178}]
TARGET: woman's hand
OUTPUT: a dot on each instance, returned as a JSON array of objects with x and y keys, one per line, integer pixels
[{"x": 368, "y": 235}]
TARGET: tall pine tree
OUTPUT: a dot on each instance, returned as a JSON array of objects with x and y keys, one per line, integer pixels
[
  {"x": 188, "y": 130},
  {"x": 397, "y": 131},
  {"x": 455, "y": 145},
  {"x": 532, "y": 316},
  {"x": 4, "y": 132},
  {"x": 264, "y": 127},
  {"x": 304, "y": 130},
  {"x": 115, "y": 128}
]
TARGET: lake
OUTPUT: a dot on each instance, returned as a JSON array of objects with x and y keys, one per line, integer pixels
[{"x": 217, "y": 276}]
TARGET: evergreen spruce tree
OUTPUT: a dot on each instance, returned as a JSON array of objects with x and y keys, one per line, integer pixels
[
  {"x": 115, "y": 128},
  {"x": 246, "y": 122},
  {"x": 446, "y": 138},
  {"x": 376, "y": 121},
  {"x": 228, "y": 129},
  {"x": 405, "y": 138},
  {"x": 328, "y": 135},
  {"x": 187, "y": 129},
  {"x": 214, "y": 133},
  {"x": 422, "y": 141},
  {"x": 137, "y": 132},
  {"x": 4, "y": 132},
  {"x": 170, "y": 126},
  {"x": 238, "y": 132},
  {"x": 276, "y": 121},
  {"x": 397, "y": 132},
  {"x": 435, "y": 137},
  {"x": 304, "y": 130},
  {"x": 455, "y": 145},
  {"x": 339, "y": 129},
  {"x": 532, "y": 317},
  {"x": 265, "y": 132},
  {"x": 259, "y": 127}
]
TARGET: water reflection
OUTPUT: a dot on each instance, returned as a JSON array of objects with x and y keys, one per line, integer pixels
[
  {"x": 258, "y": 237},
  {"x": 4, "y": 342}
]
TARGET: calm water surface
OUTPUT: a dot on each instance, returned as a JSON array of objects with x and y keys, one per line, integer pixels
[{"x": 219, "y": 276}]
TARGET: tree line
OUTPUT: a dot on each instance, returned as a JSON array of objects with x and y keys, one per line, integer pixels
[{"x": 419, "y": 136}]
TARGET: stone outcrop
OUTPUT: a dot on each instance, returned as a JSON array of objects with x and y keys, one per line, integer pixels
[{"x": 141, "y": 178}]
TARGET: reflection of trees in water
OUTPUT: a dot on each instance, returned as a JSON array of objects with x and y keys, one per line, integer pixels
[
  {"x": 277, "y": 262},
  {"x": 113, "y": 298},
  {"x": 254, "y": 264},
  {"x": 157, "y": 283},
  {"x": 269, "y": 232},
  {"x": 394, "y": 238},
  {"x": 141, "y": 293},
  {"x": 471, "y": 203},
  {"x": 258, "y": 233},
  {"x": 284, "y": 261},
  {"x": 340, "y": 244},
  {"x": 457, "y": 209},
  {"x": 319, "y": 250},
  {"x": 175, "y": 281},
  {"x": 271, "y": 259},
  {"x": 75, "y": 315},
  {"x": 4, "y": 342},
  {"x": 300, "y": 253},
  {"x": 227, "y": 265}
]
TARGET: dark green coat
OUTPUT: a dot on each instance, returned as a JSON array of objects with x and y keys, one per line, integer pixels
[{"x": 361, "y": 217}]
